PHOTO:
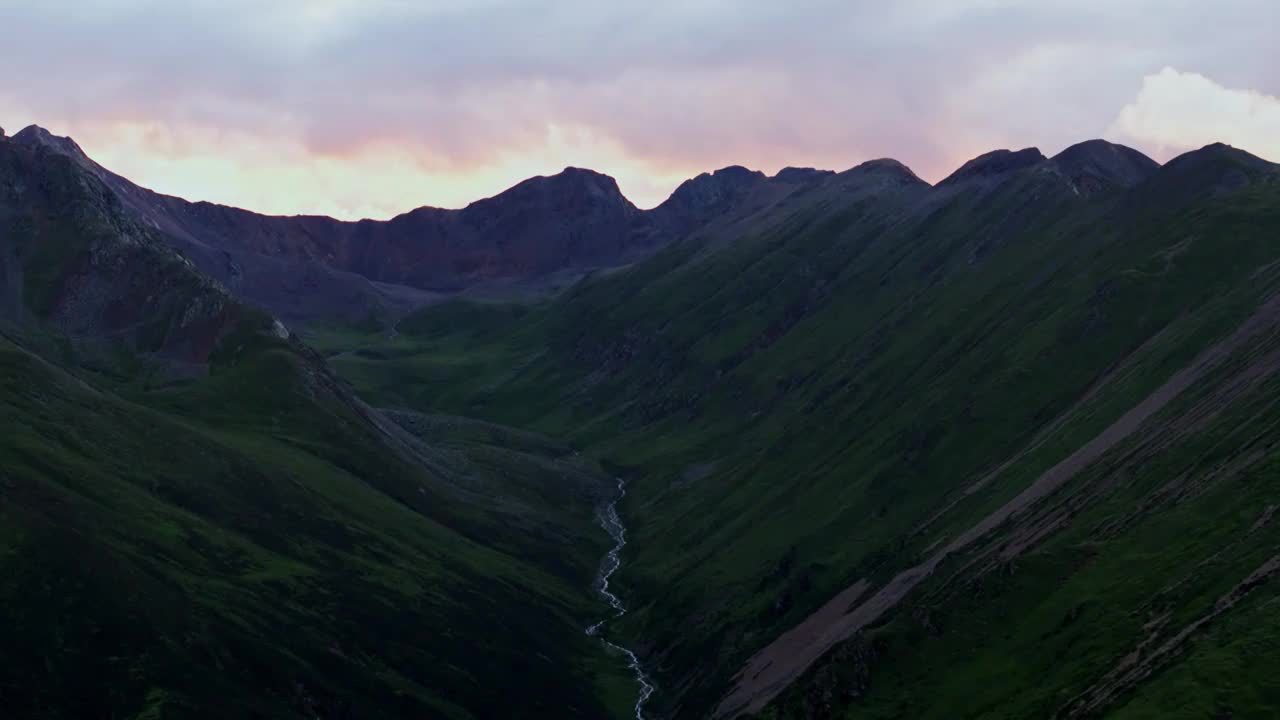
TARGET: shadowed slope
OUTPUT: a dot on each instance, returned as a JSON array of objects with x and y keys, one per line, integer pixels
[{"x": 931, "y": 416}]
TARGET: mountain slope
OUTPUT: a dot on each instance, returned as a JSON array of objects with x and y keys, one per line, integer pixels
[
  {"x": 74, "y": 259},
  {"x": 244, "y": 537},
  {"x": 535, "y": 235},
  {"x": 899, "y": 450}
]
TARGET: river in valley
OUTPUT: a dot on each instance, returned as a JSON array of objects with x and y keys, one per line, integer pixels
[{"x": 612, "y": 524}]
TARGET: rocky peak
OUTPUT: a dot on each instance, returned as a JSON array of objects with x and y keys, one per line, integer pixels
[
  {"x": 887, "y": 168},
  {"x": 1107, "y": 162},
  {"x": 36, "y": 136},
  {"x": 995, "y": 164},
  {"x": 801, "y": 175},
  {"x": 572, "y": 187},
  {"x": 713, "y": 189}
]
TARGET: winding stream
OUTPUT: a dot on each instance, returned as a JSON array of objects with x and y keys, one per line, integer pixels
[{"x": 612, "y": 524}]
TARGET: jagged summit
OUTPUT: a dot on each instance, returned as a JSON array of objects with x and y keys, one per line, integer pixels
[
  {"x": 738, "y": 172},
  {"x": 568, "y": 222},
  {"x": 569, "y": 185},
  {"x": 709, "y": 189},
  {"x": 1105, "y": 161},
  {"x": 994, "y": 164},
  {"x": 801, "y": 174},
  {"x": 885, "y": 167},
  {"x": 36, "y": 136}
]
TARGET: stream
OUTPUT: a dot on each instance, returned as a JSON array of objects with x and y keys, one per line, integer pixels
[{"x": 612, "y": 524}]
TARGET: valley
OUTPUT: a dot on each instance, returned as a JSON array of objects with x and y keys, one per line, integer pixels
[
  {"x": 816, "y": 445},
  {"x": 612, "y": 524}
]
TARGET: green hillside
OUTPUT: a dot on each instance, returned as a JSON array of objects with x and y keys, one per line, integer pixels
[
  {"x": 994, "y": 448},
  {"x": 1016, "y": 425},
  {"x": 198, "y": 520}
]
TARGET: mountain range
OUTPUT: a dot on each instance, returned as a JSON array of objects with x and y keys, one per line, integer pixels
[{"x": 998, "y": 447}]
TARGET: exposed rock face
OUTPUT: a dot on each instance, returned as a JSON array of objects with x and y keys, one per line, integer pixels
[
  {"x": 707, "y": 195},
  {"x": 73, "y": 257},
  {"x": 36, "y": 136}
]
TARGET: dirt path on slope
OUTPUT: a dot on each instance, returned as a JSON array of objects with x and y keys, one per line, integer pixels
[{"x": 778, "y": 664}]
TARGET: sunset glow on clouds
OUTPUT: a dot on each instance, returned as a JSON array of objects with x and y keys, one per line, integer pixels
[
  {"x": 372, "y": 108},
  {"x": 1178, "y": 111}
]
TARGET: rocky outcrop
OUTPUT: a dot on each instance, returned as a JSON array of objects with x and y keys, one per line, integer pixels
[
  {"x": 708, "y": 195},
  {"x": 801, "y": 175},
  {"x": 994, "y": 166},
  {"x": 77, "y": 261}
]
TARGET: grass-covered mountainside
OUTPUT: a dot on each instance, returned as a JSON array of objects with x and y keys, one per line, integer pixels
[
  {"x": 198, "y": 520},
  {"x": 995, "y": 448}
]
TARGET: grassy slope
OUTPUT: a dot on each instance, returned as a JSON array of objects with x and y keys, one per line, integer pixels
[
  {"x": 262, "y": 556},
  {"x": 245, "y": 546},
  {"x": 796, "y": 403},
  {"x": 256, "y": 542}
]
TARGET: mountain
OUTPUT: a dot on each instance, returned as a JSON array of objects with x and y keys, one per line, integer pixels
[
  {"x": 996, "y": 164},
  {"x": 75, "y": 260},
  {"x": 198, "y": 519},
  {"x": 303, "y": 268},
  {"x": 1101, "y": 162},
  {"x": 999, "y": 447},
  {"x": 538, "y": 235},
  {"x": 996, "y": 448}
]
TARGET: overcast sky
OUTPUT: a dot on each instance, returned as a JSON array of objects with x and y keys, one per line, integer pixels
[{"x": 360, "y": 108}]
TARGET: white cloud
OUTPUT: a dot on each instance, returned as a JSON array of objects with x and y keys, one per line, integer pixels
[{"x": 1178, "y": 111}]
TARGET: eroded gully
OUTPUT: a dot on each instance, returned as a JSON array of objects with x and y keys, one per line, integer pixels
[{"x": 612, "y": 524}]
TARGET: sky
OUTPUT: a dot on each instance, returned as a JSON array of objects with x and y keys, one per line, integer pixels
[{"x": 368, "y": 108}]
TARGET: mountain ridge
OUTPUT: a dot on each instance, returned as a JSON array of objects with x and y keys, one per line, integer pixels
[
  {"x": 812, "y": 401},
  {"x": 535, "y": 238},
  {"x": 882, "y": 441}
]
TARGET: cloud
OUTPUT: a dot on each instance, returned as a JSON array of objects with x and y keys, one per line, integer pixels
[
  {"x": 1178, "y": 111},
  {"x": 299, "y": 102}
]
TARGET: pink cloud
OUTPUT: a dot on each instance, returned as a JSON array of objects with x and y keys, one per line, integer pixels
[{"x": 379, "y": 106}]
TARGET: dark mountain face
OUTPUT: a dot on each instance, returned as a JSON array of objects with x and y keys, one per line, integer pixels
[
  {"x": 1100, "y": 161},
  {"x": 993, "y": 166},
  {"x": 308, "y": 267},
  {"x": 894, "y": 450},
  {"x": 708, "y": 195},
  {"x": 1214, "y": 169},
  {"x": 801, "y": 175},
  {"x": 198, "y": 519},
  {"x": 889, "y": 449},
  {"x": 75, "y": 259}
]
